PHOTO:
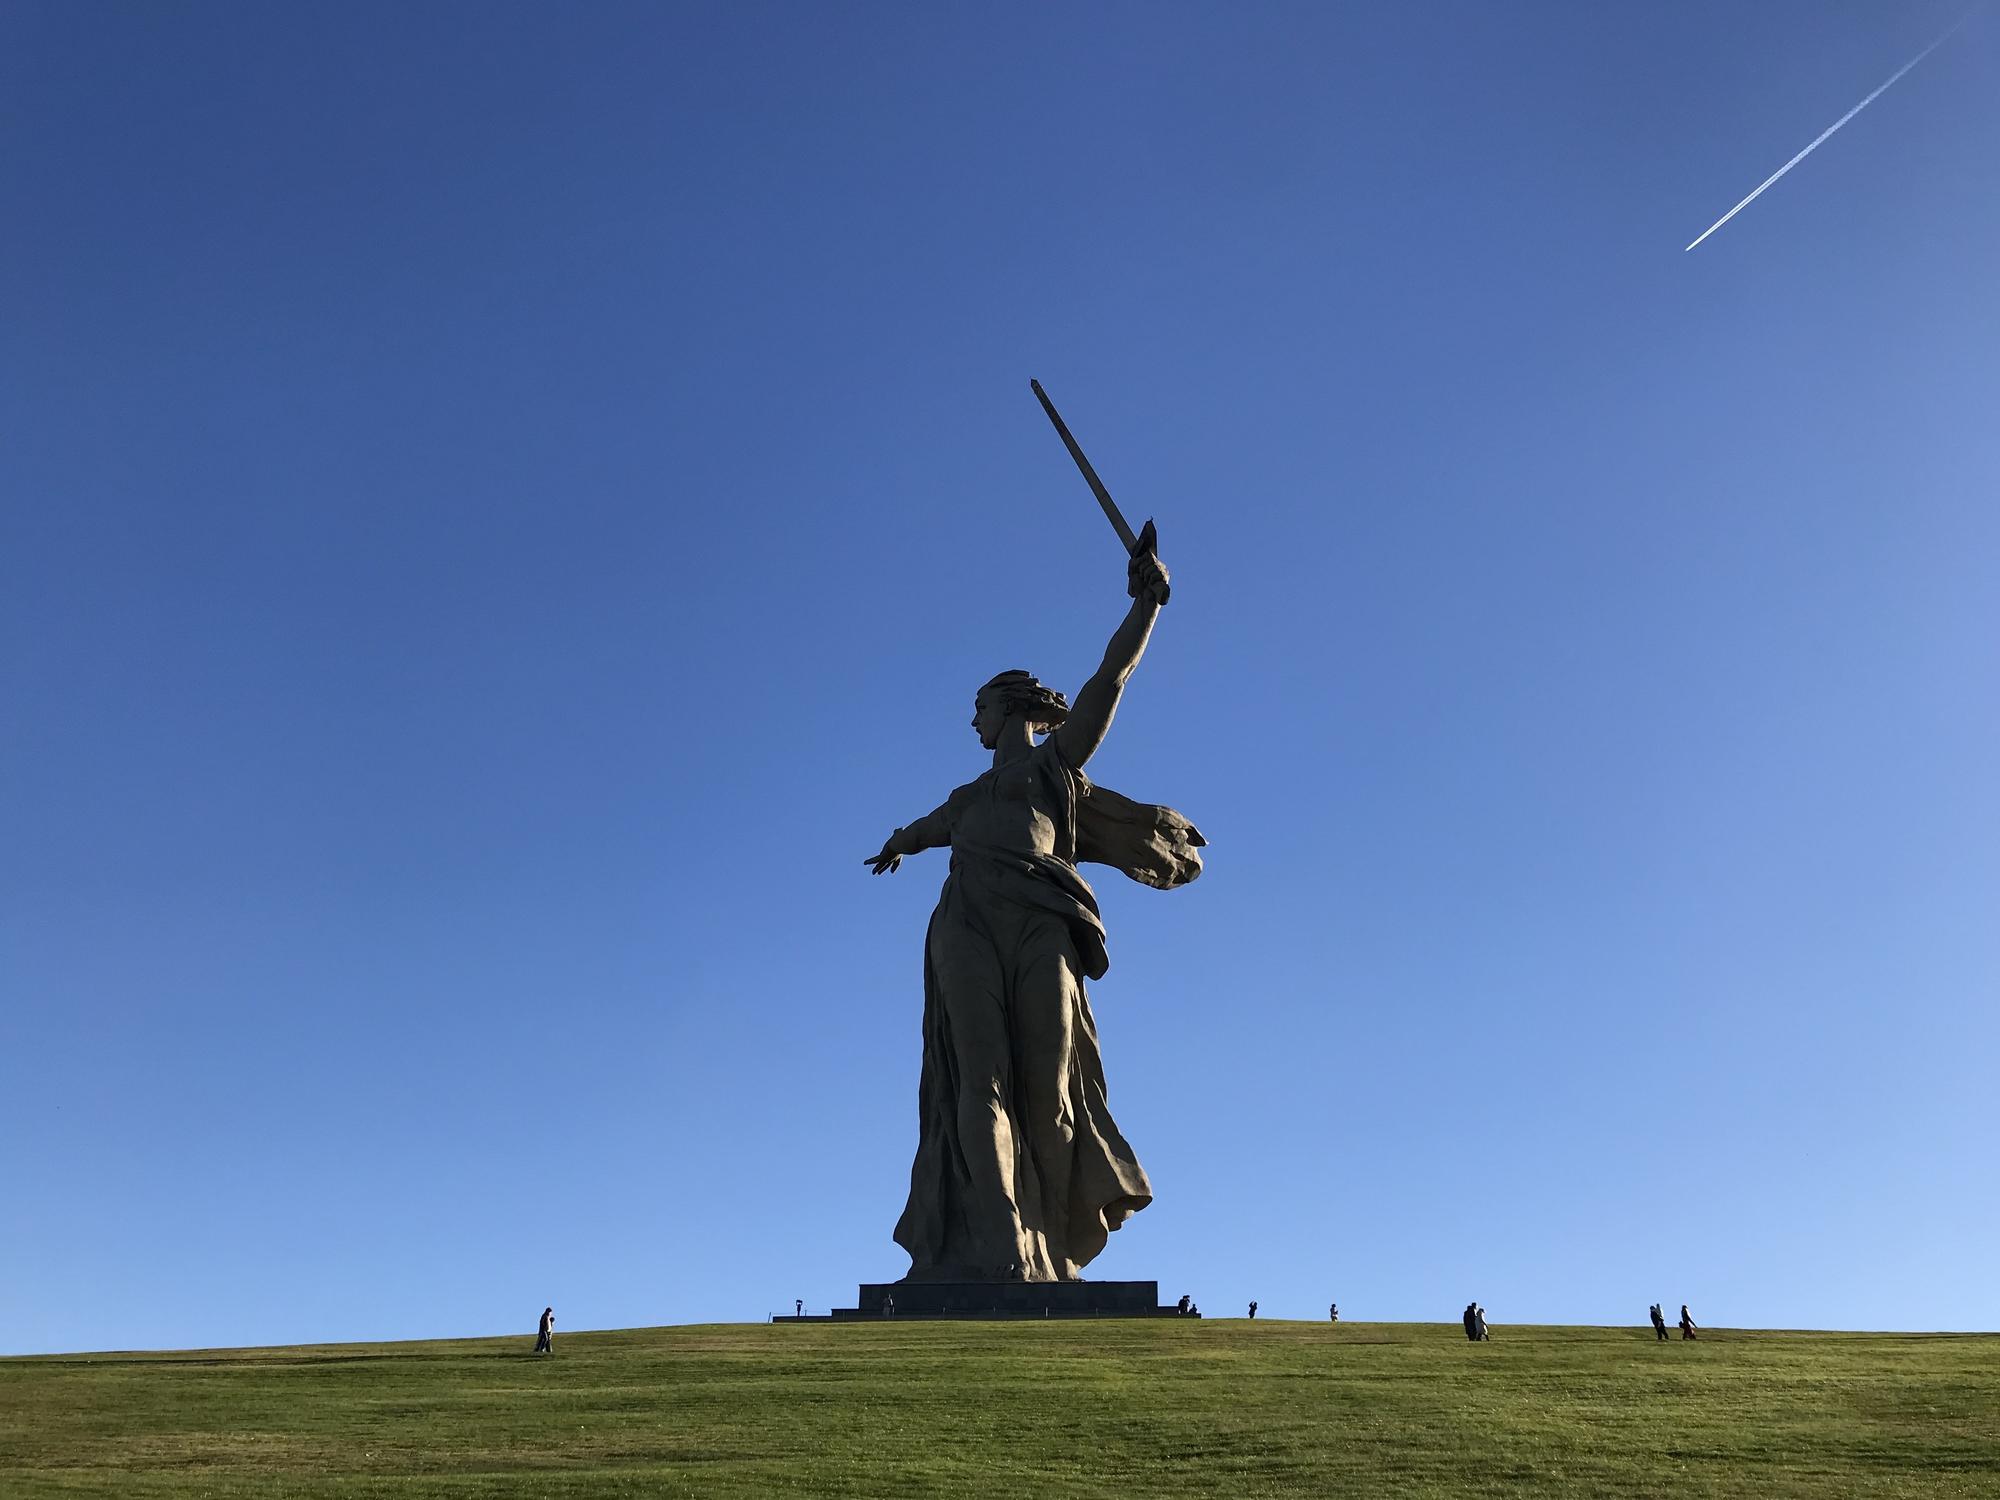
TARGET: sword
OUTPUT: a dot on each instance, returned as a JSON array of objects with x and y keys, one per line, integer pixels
[{"x": 1133, "y": 544}]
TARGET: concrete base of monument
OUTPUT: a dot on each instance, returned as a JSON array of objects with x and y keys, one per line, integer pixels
[{"x": 1001, "y": 1299}]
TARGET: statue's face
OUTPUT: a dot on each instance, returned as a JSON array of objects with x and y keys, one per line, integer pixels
[{"x": 988, "y": 719}]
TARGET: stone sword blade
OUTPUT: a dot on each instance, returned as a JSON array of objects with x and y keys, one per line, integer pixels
[{"x": 1111, "y": 511}]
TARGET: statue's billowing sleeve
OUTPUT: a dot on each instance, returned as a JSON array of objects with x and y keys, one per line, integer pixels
[{"x": 1154, "y": 845}]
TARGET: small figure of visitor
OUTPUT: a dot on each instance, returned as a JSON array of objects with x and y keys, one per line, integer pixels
[
  {"x": 1253, "y": 1309},
  {"x": 1479, "y": 1323},
  {"x": 1193, "y": 1311},
  {"x": 1659, "y": 1322},
  {"x": 1184, "y": 1304},
  {"x": 888, "y": 1304},
  {"x": 1471, "y": 1322},
  {"x": 545, "y": 1333},
  {"x": 1333, "y": 1312},
  {"x": 798, "y": 1307},
  {"x": 1687, "y": 1322}
]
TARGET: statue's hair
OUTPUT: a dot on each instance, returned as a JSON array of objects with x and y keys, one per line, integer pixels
[{"x": 1021, "y": 694}]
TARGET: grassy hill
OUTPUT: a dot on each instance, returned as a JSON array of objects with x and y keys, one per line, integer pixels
[{"x": 1166, "y": 1407}]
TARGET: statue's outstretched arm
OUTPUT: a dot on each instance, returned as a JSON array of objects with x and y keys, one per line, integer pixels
[
  {"x": 1090, "y": 720},
  {"x": 931, "y": 831}
]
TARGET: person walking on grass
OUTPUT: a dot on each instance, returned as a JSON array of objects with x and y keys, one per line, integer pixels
[
  {"x": 545, "y": 1335},
  {"x": 1687, "y": 1323},
  {"x": 1253, "y": 1312},
  {"x": 1471, "y": 1323},
  {"x": 1479, "y": 1325},
  {"x": 1333, "y": 1312},
  {"x": 1659, "y": 1322}
]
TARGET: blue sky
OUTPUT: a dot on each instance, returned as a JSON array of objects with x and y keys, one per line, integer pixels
[{"x": 505, "y": 506}]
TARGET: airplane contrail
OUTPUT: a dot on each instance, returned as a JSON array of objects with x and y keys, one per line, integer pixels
[{"x": 1827, "y": 132}]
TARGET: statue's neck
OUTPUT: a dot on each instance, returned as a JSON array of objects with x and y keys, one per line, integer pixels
[{"x": 1015, "y": 744}]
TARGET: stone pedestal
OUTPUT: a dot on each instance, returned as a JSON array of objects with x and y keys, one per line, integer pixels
[{"x": 1007, "y": 1299}]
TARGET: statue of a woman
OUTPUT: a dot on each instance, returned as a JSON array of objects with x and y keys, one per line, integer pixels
[{"x": 1020, "y": 1170}]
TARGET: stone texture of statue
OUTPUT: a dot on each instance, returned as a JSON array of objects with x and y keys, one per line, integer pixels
[{"x": 1020, "y": 1171}]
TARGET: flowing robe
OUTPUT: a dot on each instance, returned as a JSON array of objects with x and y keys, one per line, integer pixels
[{"x": 1021, "y": 1172}]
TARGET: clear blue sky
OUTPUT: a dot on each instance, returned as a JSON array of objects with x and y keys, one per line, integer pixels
[{"x": 505, "y": 506}]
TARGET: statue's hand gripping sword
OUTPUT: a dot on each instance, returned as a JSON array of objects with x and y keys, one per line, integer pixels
[{"x": 1143, "y": 542}]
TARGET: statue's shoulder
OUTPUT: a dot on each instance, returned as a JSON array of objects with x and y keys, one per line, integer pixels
[{"x": 1048, "y": 755}]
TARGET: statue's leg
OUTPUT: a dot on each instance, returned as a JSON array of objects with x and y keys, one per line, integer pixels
[
  {"x": 972, "y": 988},
  {"x": 1045, "y": 1001}
]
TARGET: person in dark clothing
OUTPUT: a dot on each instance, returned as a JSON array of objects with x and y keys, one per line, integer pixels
[
  {"x": 1659, "y": 1322},
  {"x": 1471, "y": 1322},
  {"x": 1333, "y": 1312},
  {"x": 1687, "y": 1322},
  {"x": 1253, "y": 1310},
  {"x": 545, "y": 1333},
  {"x": 1184, "y": 1304}
]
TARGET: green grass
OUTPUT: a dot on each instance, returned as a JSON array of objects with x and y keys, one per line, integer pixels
[{"x": 1022, "y": 1410}]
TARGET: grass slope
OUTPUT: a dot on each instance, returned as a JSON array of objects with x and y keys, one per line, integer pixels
[{"x": 1166, "y": 1407}]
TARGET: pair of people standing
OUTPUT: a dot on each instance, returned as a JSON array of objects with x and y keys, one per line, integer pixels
[
  {"x": 1688, "y": 1329},
  {"x": 1475, "y": 1323},
  {"x": 545, "y": 1332}
]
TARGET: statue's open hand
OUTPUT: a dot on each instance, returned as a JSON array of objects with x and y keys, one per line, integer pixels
[
  {"x": 887, "y": 860},
  {"x": 1145, "y": 576}
]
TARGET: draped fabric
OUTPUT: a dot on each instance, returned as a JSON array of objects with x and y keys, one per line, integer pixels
[
  {"x": 1021, "y": 1173},
  {"x": 1154, "y": 845}
]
